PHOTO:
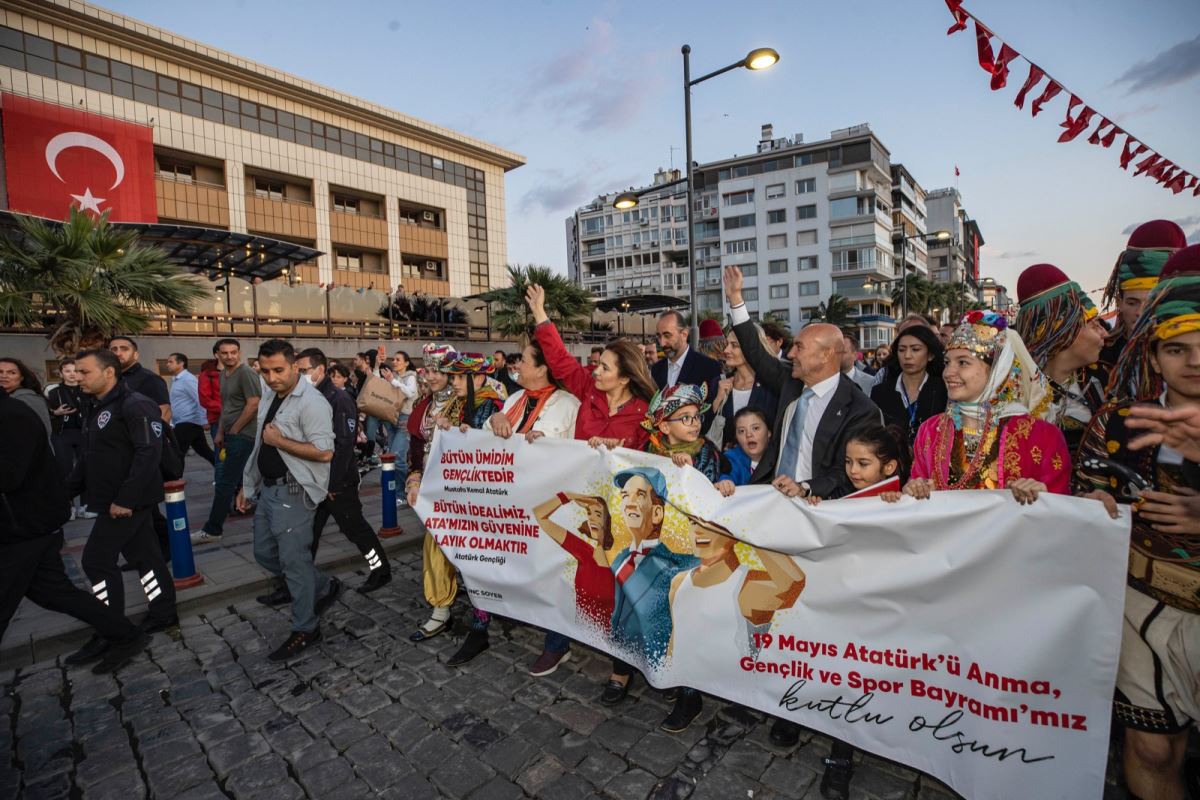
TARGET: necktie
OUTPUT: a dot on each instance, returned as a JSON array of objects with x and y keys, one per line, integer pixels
[
  {"x": 626, "y": 569},
  {"x": 795, "y": 435}
]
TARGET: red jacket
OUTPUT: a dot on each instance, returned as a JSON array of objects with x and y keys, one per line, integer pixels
[
  {"x": 593, "y": 419},
  {"x": 210, "y": 393}
]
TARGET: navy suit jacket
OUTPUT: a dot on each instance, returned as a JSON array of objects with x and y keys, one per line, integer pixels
[
  {"x": 761, "y": 398},
  {"x": 697, "y": 369},
  {"x": 641, "y": 617}
]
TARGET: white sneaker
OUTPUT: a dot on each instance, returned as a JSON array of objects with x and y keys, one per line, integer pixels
[
  {"x": 204, "y": 537},
  {"x": 85, "y": 514}
]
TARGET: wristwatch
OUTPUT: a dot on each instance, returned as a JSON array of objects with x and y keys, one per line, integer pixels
[{"x": 807, "y": 489}]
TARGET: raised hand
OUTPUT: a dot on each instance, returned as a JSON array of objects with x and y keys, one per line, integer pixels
[
  {"x": 733, "y": 284},
  {"x": 535, "y": 297}
]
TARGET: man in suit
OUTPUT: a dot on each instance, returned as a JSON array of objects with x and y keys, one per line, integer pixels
[
  {"x": 683, "y": 364},
  {"x": 641, "y": 617},
  {"x": 850, "y": 364}
]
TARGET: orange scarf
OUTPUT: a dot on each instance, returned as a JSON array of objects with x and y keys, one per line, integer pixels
[{"x": 517, "y": 412}]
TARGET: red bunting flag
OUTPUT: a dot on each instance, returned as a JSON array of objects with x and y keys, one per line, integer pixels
[
  {"x": 1177, "y": 185},
  {"x": 1095, "y": 137},
  {"x": 1147, "y": 164},
  {"x": 1078, "y": 125},
  {"x": 983, "y": 38},
  {"x": 1000, "y": 68},
  {"x": 1068, "y": 122},
  {"x": 1129, "y": 153},
  {"x": 1051, "y": 90},
  {"x": 960, "y": 16},
  {"x": 1107, "y": 141},
  {"x": 1035, "y": 75}
]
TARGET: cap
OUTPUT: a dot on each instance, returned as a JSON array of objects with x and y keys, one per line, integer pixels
[{"x": 652, "y": 476}]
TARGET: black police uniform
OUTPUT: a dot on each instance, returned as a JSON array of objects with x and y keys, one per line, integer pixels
[
  {"x": 33, "y": 507},
  {"x": 122, "y": 453},
  {"x": 143, "y": 381},
  {"x": 343, "y": 503}
]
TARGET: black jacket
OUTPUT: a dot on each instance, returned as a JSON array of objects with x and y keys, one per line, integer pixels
[
  {"x": 761, "y": 398},
  {"x": 343, "y": 470},
  {"x": 33, "y": 499},
  {"x": 848, "y": 409},
  {"x": 930, "y": 402},
  {"x": 697, "y": 369},
  {"x": 63, "y": 395},
  {"x": 143, "y": 381},
  {"x": 122, "y": 452}
]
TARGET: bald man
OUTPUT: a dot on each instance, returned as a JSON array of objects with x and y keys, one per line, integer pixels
[{"x": 818, "y": 405}]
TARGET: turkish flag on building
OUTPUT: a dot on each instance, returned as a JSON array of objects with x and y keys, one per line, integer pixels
[{"x": 57, "y": 157}]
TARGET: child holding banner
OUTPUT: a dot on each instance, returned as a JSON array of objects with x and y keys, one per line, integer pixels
[
  {"x": 753, "y": 432},
  {"x": 876, "y": 462},
  {"x": 674, "y": 421}
]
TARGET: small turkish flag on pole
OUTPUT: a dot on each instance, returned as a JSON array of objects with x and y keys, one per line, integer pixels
[
  {"x": 57, "y": 157},
  {"x": 956, "y": 173}
]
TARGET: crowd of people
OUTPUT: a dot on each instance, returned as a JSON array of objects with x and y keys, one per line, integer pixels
[{"x": 1051, "y": 401}]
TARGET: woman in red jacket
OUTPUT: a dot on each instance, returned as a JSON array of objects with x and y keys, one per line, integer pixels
[
  {"x": 614, "y": 400},
  {"x": 210, "y": 392}
]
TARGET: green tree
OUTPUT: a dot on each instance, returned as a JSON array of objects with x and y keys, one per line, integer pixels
[
  {"x": 920, "y": 292},
  {"x": 568, "y": 304},
  {"x": 836, "y": 312},
  {"x": 86, "y": 281}
]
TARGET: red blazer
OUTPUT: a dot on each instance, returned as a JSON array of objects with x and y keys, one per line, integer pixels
[
  {"x": 593, "y": 419},
  {"x": 210, "y": 393}
]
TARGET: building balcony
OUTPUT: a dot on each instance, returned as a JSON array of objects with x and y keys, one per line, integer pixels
[
  {"x": 423, "y": 241},
  {"x": 291, "y": 219},
  {"x": 358, "y": 230},
  {"x": 204, "y": 204}
]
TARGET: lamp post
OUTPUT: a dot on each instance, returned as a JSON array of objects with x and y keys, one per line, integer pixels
[{"x": 936, "y": 235}]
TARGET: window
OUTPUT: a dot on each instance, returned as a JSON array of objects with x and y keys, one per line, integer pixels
[
  {"x": 741, "y": 246},
  {"x": 593, "y": 225},
  {"x": 175, "y": 171},
  {"x": 806, "y": 262},
  {"x": 776, "y": 190},
  {"x": 749, "y": 271},
  {"x": 806, "y": 212},
  {"x": 851, "y": 207},
  {"x": 776, "y": 216},
  {"x": 780, "y": 315},
  {"x": 349, "y": 260},
  {"x": 269, "y": 190},
  {"x": 810, "y": 288},
  {"x": 777, "y": 266},
  {"x": 806, "y": 238},
  {"x": 806, "y": 185},
  {"x": 345, "y": 204},
  {"x": 738, "y": 198},
  {"x": 743, "y": 221},
  {"x": 777, "y": 241},
  {"x": 750, "y": 295},
  {"x": 778, "y": 292}
]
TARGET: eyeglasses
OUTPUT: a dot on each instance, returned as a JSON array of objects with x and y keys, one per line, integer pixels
[
  {"x": 303, "y": 370},
  {"x": 686, "y": 419}
]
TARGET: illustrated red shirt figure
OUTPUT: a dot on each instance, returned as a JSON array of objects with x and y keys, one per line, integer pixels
[{"x": 594, "y": 587}]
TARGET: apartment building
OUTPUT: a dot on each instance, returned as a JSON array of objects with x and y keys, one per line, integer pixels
[
  {"x": 956, "y": 259},
  {"x": 243, "y": 157}
]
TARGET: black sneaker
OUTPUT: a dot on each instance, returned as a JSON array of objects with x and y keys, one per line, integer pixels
[
  {"x": 326, "y": 600},
  {"x": 835, "y": 783},
  {"x": 95, "y": 648},
  {"x": 475, "y": 643},
  {"x": 785, "y": 733},
  {"x": 296, "y": 644},
  {"x": 279, "y": 597},
  {"x": 157, "y": 625},
  {"x": 688, "y": 705},
  {"x": 119, "y": 655},
  {"x": 615, "y": 691},
  {"x": 378, "y": 579}
]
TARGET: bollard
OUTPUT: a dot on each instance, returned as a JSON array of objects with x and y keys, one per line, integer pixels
[
  {"x": 387, "y": 472},
  {"x": 182, "y": 564}
]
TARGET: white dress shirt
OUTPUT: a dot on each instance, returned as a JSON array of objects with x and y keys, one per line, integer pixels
[
  {"x": 822, "y": 395},
  {"x": 675, "y": 367}
]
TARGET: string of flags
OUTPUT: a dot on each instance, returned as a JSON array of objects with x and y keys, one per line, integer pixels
[{"x": 1079, "y": 115}]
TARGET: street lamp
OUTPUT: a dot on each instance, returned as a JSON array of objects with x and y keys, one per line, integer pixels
[
  {"x": 757, "y": 59},
  {"x": 940, "y": 236}
]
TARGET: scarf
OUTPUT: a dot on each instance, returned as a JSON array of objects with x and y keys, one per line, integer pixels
[
  {"x": 660, "y": 445},
  {"x": 1015, "y": 385},
  {"x": 457, "y": 410},
  {"x": 517, "y": 412},
  {"x": 438, "y": 402}
]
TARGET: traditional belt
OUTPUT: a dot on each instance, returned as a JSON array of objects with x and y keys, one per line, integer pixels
[{"x": 1172, "y": 582}]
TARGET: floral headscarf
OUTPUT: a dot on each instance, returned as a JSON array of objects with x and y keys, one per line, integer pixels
[
  {"x": 1015, "y": 385},
  {"x": 667, "y": 401}
]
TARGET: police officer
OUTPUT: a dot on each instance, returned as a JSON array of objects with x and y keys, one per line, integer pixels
[
  {"x": 35, "y": 506},
  {"x": 121, "y": 473}
]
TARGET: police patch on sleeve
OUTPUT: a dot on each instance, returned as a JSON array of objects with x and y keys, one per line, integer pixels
[
  {"x": 102, "y": 419},
  {"x": 351, "y": 422},
  {"x": 157, "y": 428}
]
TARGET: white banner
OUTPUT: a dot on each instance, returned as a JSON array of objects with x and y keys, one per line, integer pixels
[{"x": 966, "y": 636}]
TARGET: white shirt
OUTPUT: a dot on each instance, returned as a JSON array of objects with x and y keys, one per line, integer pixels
[
  {"x": 822, "y": 395},
  {"x": 740, "y": 399},
  {"x": 407, "y": 384},
  {"x": 900, "y": 390},
  {"x": 675, "y": 367}
]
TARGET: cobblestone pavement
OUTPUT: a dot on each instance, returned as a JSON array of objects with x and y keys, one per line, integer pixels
[{"x": 372, "y": 715}]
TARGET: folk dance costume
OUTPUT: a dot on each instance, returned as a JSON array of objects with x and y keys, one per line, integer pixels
[
  {"x": 998, "y": 437},
  {"x": 706, "y": 458},
  {"x": 1158, "y": 677},
  {"x": 1053, "y": 311},
  {"x": 1137, "y": 269}
]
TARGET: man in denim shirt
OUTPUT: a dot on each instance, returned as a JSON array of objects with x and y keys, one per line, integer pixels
[{"x": 289, "y": 470}]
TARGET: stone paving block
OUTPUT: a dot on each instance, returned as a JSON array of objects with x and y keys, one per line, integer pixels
[
  {"x": 510, "y": 755},
  {"x": 316, "y": 753},
  {"x": 55, "y": 786},
  {"x": 566, "y": 787},
  {"x": 721, "y": 784},
  {"x": 166, "y": 752},
  {"x": 215, "y": 734},
  {"x": 746, "y": 758},
  {"x": 788, "y": 777},
  {"x": 600, "y": 767},
  {"x": 575, "y": 715},
  {"x": 618, "y": 735},
  {"x": 253, "y": 778},
  {"x": 414, "y": 788},
  {"x": 634, "y": 783},
  {"x": 497, "y": 789},
  {"x": 232, "y": 753},
  {"x": 879, "y": 784},
  {"x": 346, "y": 732},
  {"x": 320, "y": 717},
  {"x": 364, "y": 700},
  {"x": 570, "y": 748},
  {"x": 658, "y": 753},
  {"x": 429, "y": 753},
  {"x": 124, "y": 786},
  {"x": 92, "y": 770},
  {"x": 327, "y": 778},
  {"x": 541, "y": 774},
  {"x": 168, "y": 780}
]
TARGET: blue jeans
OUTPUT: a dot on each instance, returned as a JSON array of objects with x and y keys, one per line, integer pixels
[
  {"x": 556, "y": 643},
  {"x": 283, "y": 533},
  {"x": 398, "y": 445},
  {"x": 371, "y": 432},
  {"x": 229, "y": 478}
]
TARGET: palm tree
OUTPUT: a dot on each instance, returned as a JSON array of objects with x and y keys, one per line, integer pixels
[
  {"x": 836, "y": 312},
  {"x": 86, "y": 281},
  {"x": 920, "y": 291},
  {"x": 568, "y": 304}
]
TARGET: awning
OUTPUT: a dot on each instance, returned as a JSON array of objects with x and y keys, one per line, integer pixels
[
  {"x": 641, "y": 303},
  {"x": 200, "y": 250}
]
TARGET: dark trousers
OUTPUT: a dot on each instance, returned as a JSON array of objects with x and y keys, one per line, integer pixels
[
  {"x": 622, "y": 668},
  {"x": 161, "y": 533},
  {"x": 229, "y": 479},
  {"x": 34, "y": 569},
  {"x": 191, "y": 436},
  {"x": 68, "y": 448},
  {"x": 346, "y": 510},
  {"x": 133, "y": 536}
]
